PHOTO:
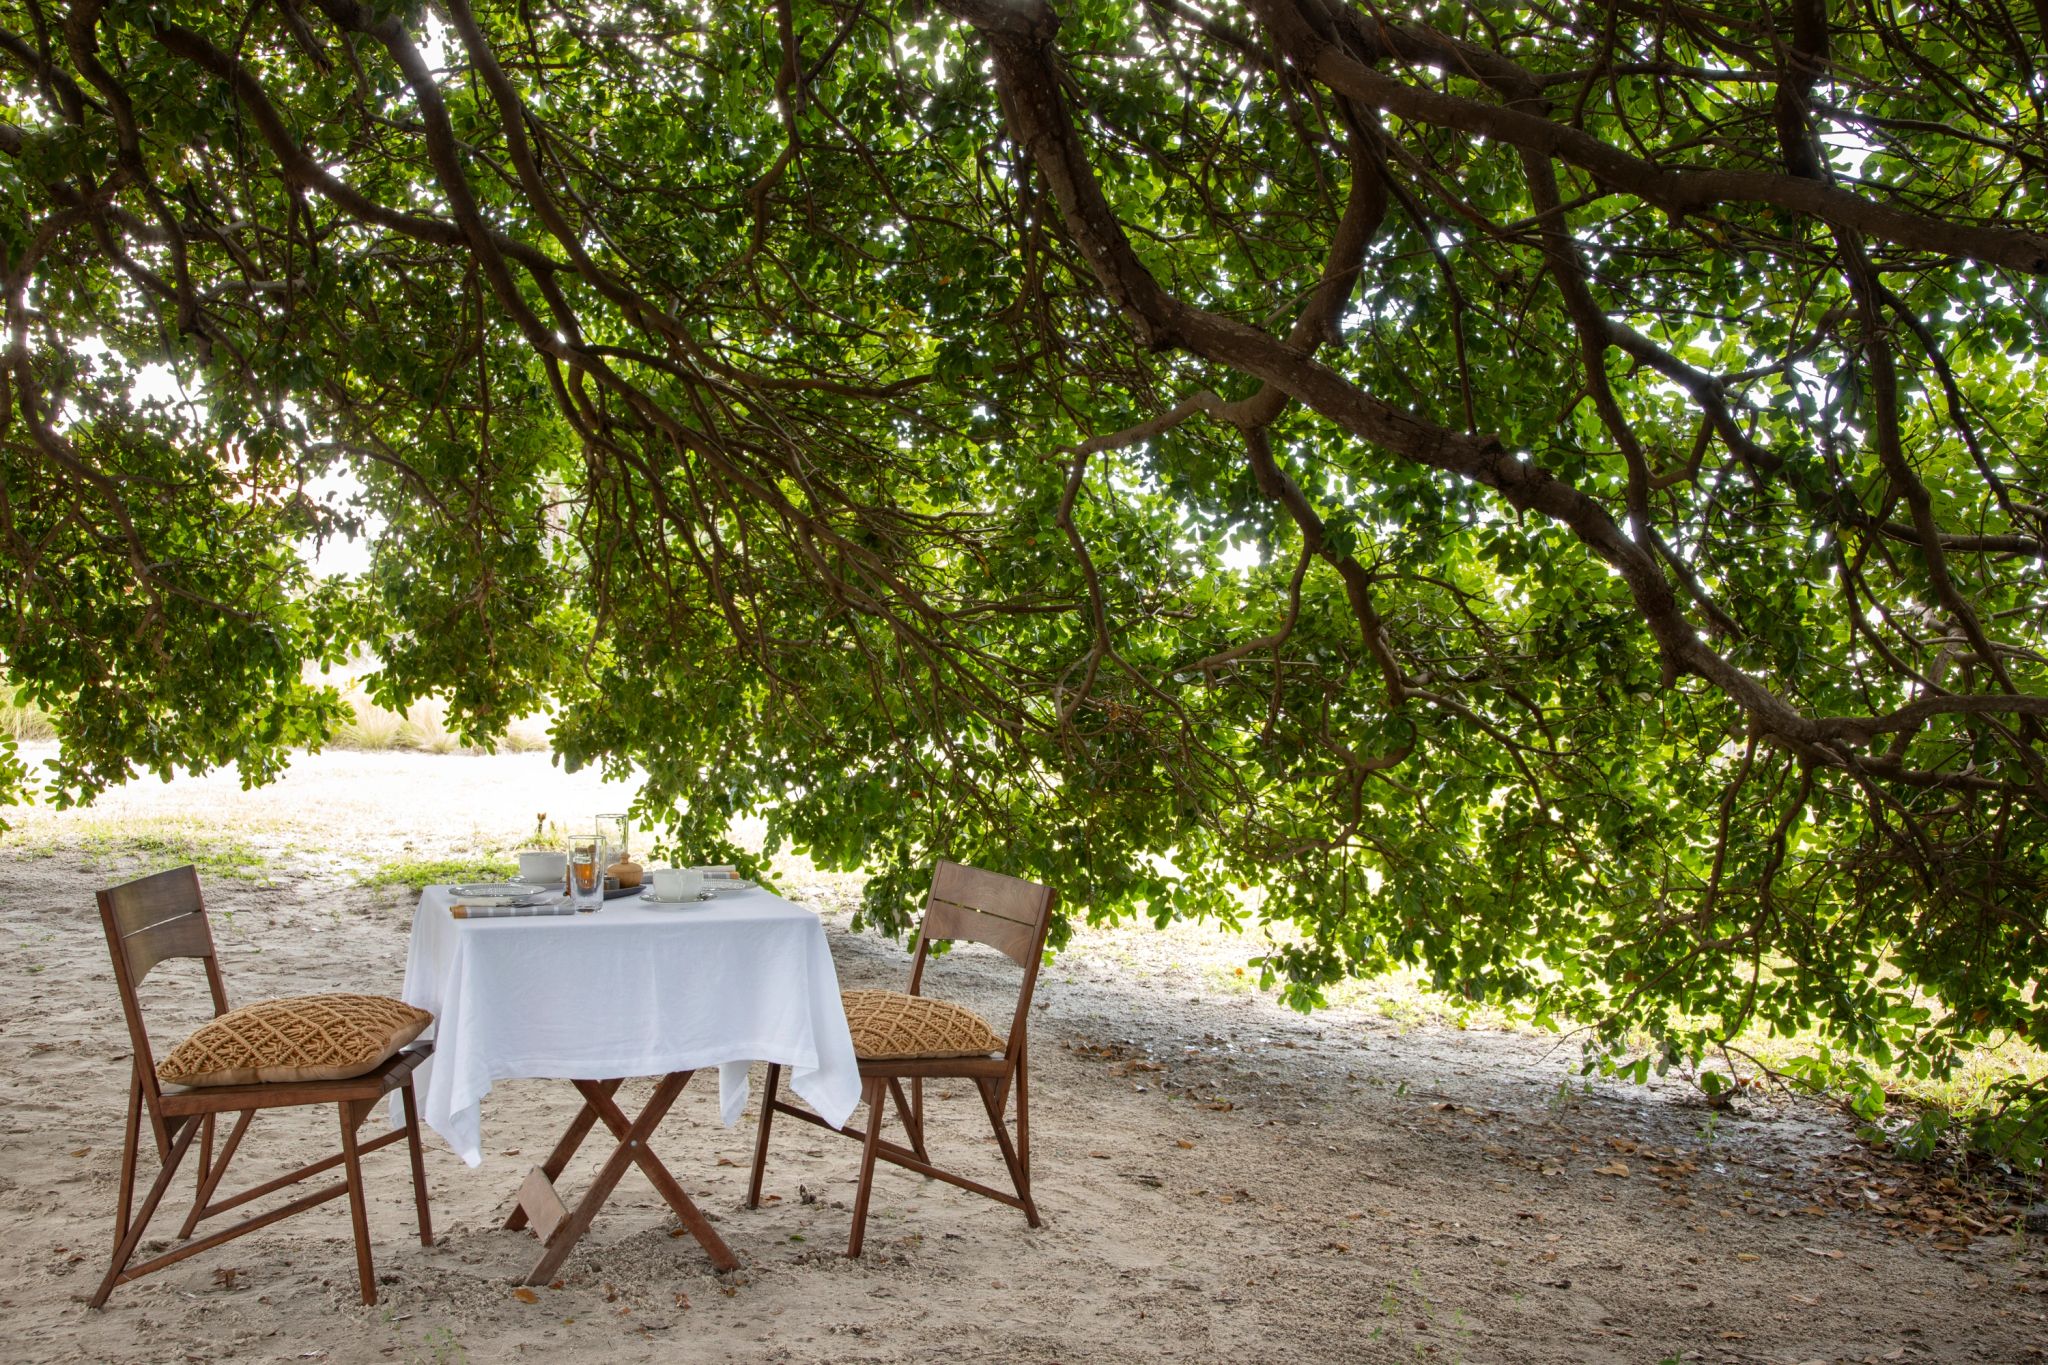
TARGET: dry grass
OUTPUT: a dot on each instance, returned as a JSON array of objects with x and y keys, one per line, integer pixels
[
  {"x": 422, "y": 728},
  {"x": 22, "y": 722}
]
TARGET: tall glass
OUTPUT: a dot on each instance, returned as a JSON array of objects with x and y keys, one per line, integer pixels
[
  {"x": 586, "y": 872},
  {"x": 616, "y": 831}
]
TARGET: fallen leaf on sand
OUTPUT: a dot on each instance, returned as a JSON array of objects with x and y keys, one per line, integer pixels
[
  {"x": 1817, "y": 1251},
  {"x": 1183, "y": 1144},
  {"x": 525, "y": 1295},
  {"x": 1747, "y": 1256},
  {"x": 1617, "y": 1169}
]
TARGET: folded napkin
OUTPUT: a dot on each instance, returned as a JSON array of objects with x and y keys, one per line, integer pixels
[{"x": 510, "y": 911}]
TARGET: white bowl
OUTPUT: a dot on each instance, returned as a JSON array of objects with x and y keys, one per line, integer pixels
[{"x": 543, "y": 866}]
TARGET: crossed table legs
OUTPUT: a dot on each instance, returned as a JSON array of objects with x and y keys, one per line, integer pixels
[{"x": 560, "y": 1227}]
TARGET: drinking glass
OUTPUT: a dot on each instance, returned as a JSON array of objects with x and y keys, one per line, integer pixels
[
  {"x": 586, "y": 872},
  {"x": 616, "y": 831}
]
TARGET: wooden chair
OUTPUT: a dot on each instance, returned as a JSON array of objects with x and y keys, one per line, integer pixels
[
  {"x": 966, "y": 904},
  {"x": 163, "y": 917}
]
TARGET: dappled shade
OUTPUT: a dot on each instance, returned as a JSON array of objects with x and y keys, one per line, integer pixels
[{"x": 1555, "y": 497}]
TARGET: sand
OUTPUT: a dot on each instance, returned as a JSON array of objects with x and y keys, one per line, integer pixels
[{"x": 1222, "y": 1179}]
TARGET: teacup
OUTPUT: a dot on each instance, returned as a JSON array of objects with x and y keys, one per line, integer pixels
[
  {"x": 544, "y": 866},
  {"x": 677, "y": 883}
]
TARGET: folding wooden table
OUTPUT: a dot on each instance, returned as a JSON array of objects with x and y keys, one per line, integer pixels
[
  {"x": 558, "y": 1226},
  {"x": 633, "y": 989}
]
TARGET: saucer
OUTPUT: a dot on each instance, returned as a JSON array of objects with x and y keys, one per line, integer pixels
[
  {"x": 494, "y": 894},
  {"x": 648, "y": 897}
]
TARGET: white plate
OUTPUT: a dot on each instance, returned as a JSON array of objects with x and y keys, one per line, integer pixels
[{"x": 492, "y": 890}]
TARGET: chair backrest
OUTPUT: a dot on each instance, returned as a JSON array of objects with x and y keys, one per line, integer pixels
[
  {"x": 151, "y": 921},
  {"x": 1008, "y": 914}
]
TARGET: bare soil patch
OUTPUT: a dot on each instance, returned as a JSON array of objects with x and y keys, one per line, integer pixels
[{"x": 1222, "y": 1179}]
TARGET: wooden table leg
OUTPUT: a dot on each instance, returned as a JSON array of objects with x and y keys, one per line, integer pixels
[
  {"x": 572, "y": 1138},
  {"x": 631, "y": 1149},
  {"x": 658, "y": 1176}
]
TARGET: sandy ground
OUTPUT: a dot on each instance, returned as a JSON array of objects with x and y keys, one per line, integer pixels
[{"x": 1222, "y": 1179}]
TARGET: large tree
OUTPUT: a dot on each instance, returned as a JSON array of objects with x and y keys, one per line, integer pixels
[{"x": 1551, "y": 493}]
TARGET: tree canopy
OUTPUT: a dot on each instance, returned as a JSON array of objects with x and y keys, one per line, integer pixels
[{"x": 1550, "y": 493}]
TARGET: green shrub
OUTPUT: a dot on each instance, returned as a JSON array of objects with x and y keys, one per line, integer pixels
[{"x": 418, "y": 874}]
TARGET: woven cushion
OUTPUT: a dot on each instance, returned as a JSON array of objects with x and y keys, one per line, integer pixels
[
  {"x": 302, "y": 1038},
  {"x": 886, "y": 1025}
]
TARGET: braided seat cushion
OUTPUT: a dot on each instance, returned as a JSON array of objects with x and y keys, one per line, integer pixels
[
  {"x": 300, "y": 1038},
  {"x": 889, "y": 1026}
]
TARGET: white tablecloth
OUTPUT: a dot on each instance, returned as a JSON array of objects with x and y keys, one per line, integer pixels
[{"x": 629, "y": 990}]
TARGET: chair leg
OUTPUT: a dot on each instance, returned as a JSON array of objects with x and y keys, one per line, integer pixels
[
  {"x": 131, "y": 1136},
  {"x": 205, "y": 1170},
  {"x": 913, "y": 1125},
  {"x": 358, "y": 1214},
  {"x": 1024, "y": 1131},
  {"x": 874, "y": 1090},
  {"x": 210, "y": 1172},
  {"x": 125, "y": 1251},
  {"x": 419, "y": 1166},
  {"x": 761, "y": 1135},
  {"x": 990, "y": 1101}
]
